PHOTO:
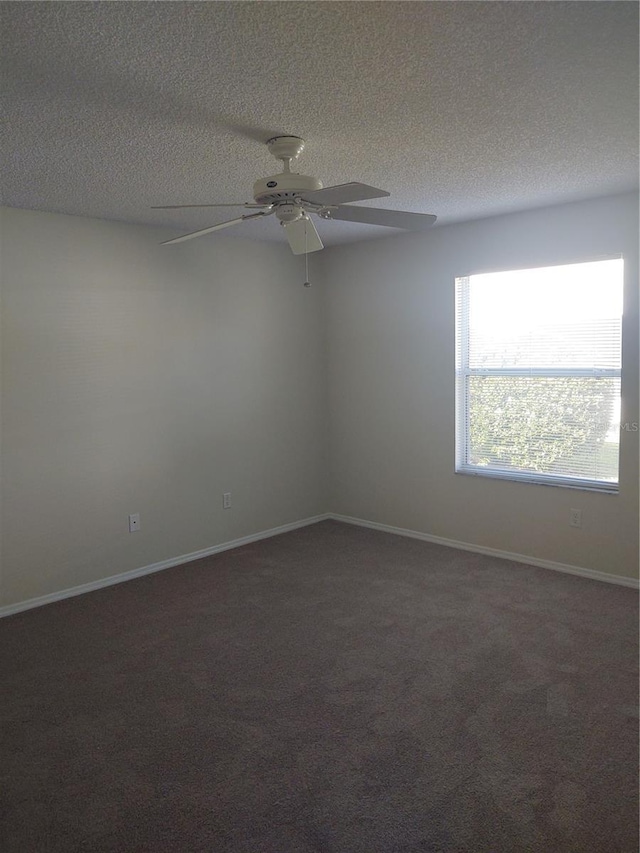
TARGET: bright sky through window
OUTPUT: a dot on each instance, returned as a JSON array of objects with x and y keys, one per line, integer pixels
[{"x": 523, "y": 299}]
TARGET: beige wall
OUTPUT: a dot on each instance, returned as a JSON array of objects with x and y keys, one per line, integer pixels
[
  {"x": 141, "y": 378},
  {"x": 390, "y": 328},
  {"x": 138, "y": 378}
]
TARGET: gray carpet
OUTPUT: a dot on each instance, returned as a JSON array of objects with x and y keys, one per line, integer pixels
[{"x": 335, "y": 690}]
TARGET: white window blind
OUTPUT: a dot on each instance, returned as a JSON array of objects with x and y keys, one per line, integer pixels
[{"x": 538, "y": 374}]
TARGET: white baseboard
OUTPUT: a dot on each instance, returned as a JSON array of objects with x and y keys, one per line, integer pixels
[
  {"x": 592, "y": 574},
  {"x": 10, "y": 609}
]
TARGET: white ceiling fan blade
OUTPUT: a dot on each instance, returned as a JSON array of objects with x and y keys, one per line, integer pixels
[
  {"x": 302, "y": 236},
  {"x": 181, "y": 206},
  {"x": 342, "y": 193},
  {"x": 217, "y": 227},
  {"x": 379, "y": 216}
]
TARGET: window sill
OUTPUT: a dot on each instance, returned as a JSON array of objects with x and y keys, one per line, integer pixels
[{"x": 542, "y": 480}]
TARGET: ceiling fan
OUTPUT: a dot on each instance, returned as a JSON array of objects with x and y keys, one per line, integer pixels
[{"x": 293, "y": 197}]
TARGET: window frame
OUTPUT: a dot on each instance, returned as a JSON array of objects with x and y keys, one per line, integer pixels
[{"x": 463, "y": 372}]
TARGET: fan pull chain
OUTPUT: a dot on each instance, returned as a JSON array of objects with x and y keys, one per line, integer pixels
[{"x": 307, "y": 283}]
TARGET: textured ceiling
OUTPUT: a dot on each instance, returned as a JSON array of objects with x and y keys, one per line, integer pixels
[{"x": 462, "y": 109}]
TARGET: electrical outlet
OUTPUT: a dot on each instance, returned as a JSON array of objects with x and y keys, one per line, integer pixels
[
  {"x": 226, "y": 500},
  {"x": 575, "y": 517},
  {"x": 134, "y": 522}
]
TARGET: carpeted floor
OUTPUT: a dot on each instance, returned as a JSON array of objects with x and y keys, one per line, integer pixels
[{"x": 335, "y": 690}]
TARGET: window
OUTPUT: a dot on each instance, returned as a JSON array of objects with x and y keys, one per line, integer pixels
[{"x": 538, "y": 374}]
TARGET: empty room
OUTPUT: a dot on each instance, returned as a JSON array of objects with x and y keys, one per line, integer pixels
[{"x": 319, "y": 427}]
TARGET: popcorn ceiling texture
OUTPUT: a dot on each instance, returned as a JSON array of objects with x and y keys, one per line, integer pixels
[{"x": 460, "y": 109}]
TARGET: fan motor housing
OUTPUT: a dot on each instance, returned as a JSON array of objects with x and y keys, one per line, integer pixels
[{"x": 283, "y": 187}]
